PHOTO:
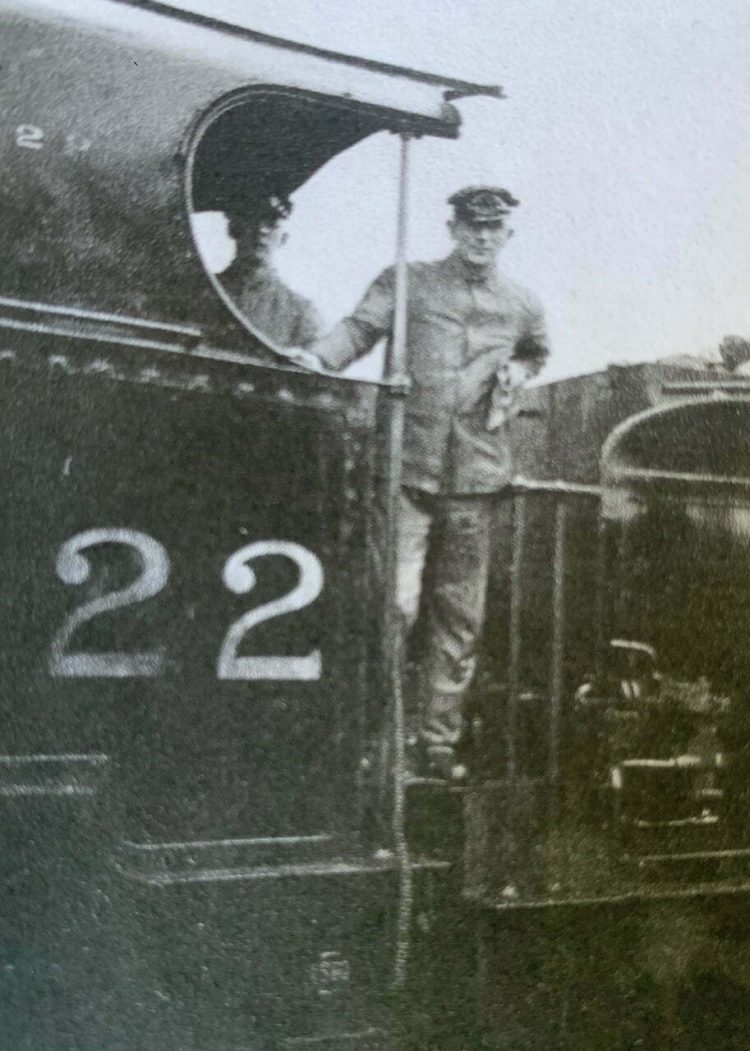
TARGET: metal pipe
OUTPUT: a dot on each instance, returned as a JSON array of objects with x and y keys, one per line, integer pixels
[
  {"x": 25, "y": 306},
  {"x": 648, "y": 474},
  {"x": 516, "y": 600},
  {"x": 532, "y": 485},
  {"x": 601, "y": 603},
  {"x": 558, "y": 636},
  {"x": 396, "y": 377},
  {"x": 706, "y": 386},
  {"x": 694, "y": 855},
  {"x": 395, "y": 372}
]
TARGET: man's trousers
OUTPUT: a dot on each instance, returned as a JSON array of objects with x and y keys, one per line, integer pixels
[{"x": 454, "y": 531}]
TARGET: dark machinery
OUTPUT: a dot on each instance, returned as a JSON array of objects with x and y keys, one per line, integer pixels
[{"x": 607, "y": 842}]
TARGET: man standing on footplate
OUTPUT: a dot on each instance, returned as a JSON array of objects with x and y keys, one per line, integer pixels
[{"x": 473, "y": 338}]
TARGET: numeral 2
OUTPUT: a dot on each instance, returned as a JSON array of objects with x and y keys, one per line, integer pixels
[
  {"x": 74, "y": 568},
  {"x": 30, "y": 137},
  {"x": 240, "y": 578}
]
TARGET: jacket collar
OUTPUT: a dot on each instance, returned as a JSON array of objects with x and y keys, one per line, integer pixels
[{"x": 463, "y": 271}]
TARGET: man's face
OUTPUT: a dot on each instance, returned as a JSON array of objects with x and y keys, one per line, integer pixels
[
  {"x": 478, "y": 243},
  {"x": 256, "y": 241}
]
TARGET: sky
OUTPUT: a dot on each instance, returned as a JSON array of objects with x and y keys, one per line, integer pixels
[{"x": 625, "y": 133}]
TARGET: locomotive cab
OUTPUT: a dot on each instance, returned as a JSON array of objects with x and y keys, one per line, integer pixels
[{"x": 187, "y": 679}]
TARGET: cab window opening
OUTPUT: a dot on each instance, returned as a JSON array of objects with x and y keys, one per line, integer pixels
[{"x": 247, "y": 164}]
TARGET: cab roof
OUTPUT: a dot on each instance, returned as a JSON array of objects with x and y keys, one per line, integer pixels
[
  {"x": 203, "y": 32},
  {"x": 219, "y": 16}
]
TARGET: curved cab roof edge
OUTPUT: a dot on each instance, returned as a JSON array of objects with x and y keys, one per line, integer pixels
[
  {"x": 198, "y": 12},
  {"x": 420, "y": 99}
]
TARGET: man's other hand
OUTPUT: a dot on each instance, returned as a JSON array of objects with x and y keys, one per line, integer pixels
[
  {"x": 504, "y": 399},
  {"x": 501, "y": 410}
]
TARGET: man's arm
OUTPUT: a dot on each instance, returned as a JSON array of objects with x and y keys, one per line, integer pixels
[{"x": 358, "y": 333}]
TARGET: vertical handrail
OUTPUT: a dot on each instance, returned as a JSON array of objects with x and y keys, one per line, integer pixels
[
  {"x": 602, "y": 605},
  {"x": 516, "y": 602},
  {"x": 396, "y": 357},
  {"x": 558, "y": 636},
  {"x": 395, "y": 374}
]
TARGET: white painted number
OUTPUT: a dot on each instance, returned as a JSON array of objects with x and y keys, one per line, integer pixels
[
  {"x": 240, "y": 578},
  {"x": 29, "y": 136},
  {"x": 73, "y": 567},
  {"x": 76, "y": 143}
]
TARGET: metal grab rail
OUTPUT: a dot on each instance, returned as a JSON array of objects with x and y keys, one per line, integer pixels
[
  {"x": 652, "y": 475},
  {"x": 396, "y": 377},
  {"x": 518, "y": 492}
]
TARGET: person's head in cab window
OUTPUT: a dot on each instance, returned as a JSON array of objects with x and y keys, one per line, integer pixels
[
  {"x": 282, "y": 316},
  {"x": 258, "y": 231}
]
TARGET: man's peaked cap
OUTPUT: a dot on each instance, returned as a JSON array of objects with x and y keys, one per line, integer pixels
[{"x": 482, "y": 204}]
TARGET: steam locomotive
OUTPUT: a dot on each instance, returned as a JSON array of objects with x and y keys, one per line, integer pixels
[{"x": 210, "y": 839}]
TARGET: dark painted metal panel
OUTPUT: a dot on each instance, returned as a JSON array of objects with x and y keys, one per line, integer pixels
[{"x": 186, "y": 452}]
